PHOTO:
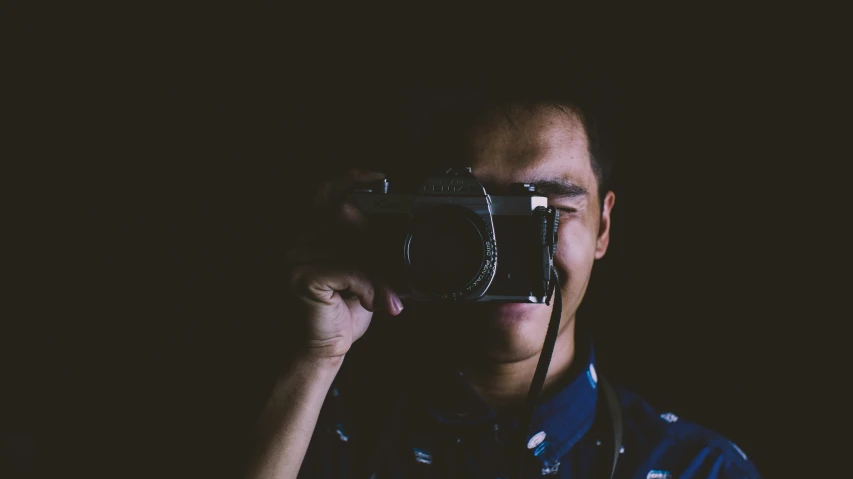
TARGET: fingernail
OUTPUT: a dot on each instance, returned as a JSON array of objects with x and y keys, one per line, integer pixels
[{"x": 395, "y": 301}]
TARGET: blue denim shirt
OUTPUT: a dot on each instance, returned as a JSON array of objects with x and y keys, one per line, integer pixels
[{"x": 439, "y": 427}]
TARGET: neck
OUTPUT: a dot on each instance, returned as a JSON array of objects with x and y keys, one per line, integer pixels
[{"x": 504, "y": 385}]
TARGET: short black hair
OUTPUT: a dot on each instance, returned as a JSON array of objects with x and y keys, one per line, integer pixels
[{"x": 446, "y": 117}]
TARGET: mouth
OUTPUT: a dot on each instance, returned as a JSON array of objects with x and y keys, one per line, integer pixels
[
  {"x": 501, "y": 313},
  {"x": 489, "y": 312},
  {"x": 517, "y": 307},
  {"x": 516, "y": 311}
]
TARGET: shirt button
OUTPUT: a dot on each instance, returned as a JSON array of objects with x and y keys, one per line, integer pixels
[
  {"x": 423, "y": 456},
  {"x": 342, "y": 435},
  {"x": 536, "y": 440},
  {"x": 592, "y": 375}
]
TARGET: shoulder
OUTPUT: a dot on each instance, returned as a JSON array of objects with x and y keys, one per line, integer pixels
[{"x": 669, "y": 446}]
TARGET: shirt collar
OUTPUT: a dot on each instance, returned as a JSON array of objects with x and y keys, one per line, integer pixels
[{"x": 558, "y": 422}]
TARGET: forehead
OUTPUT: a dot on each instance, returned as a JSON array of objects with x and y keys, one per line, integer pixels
[{"x": 527, "y": 143}]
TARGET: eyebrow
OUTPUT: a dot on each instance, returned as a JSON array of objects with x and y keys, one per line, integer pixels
[{"x": 559, "y": 188}]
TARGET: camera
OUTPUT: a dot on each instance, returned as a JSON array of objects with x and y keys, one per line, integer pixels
[{"x": 447, "y": 239}]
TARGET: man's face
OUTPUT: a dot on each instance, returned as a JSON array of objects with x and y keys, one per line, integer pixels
[{"x": 544, "y": 144}]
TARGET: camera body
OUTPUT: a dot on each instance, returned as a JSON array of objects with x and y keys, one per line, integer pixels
[{"x": 449, "y": 240}]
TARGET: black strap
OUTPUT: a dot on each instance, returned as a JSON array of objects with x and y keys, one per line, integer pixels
[
  {"x": 539, "y": 375},
  {"x": 615, "y": 416},
  {"x": 614, "y": 412}
]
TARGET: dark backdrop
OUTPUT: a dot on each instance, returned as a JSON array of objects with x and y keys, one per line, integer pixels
[{"x": 183, "y": 150}]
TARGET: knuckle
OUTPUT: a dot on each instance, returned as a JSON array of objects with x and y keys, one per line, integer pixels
[
  {"x": 349, "y": 216},
  {"x": 356, "y": 276},
  {"x": 351, "y": 278},
  {"x": 364, "y": 282},
  {"x": 324, "y": 191},
  {"x": 342, "y": 210}
]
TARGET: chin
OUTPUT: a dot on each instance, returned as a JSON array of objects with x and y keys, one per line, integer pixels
[
  {"x": 514, "y": 330},
  {"x": 512, "y": 322},
  {"x": 495, "y": 313}
]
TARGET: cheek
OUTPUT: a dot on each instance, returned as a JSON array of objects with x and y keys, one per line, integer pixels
[{"x": 575, "y": 254}]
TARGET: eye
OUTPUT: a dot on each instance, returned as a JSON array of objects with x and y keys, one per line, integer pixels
[{"x": 566, "y": 210}]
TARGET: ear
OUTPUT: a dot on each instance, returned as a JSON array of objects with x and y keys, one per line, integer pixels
[{"x": 603, "y": 239}]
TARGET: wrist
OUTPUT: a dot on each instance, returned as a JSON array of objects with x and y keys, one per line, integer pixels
[
  {"x": 312, "y": 361},
  {"x": 306, "y": 372}
]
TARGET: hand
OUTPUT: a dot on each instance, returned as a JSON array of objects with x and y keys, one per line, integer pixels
[{"x": 335, "y": 298}]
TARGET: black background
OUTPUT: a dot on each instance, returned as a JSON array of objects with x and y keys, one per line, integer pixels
[{"x": 171, "y": 151}]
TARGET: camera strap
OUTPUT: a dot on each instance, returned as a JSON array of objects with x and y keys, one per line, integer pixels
[
  {"x": 614, "y": 413},
  {"x": 541, "y": 370},
  {"x": 608, "y": 396}
]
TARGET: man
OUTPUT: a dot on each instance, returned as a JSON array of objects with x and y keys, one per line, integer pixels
[{"x": 453, "y": 412}]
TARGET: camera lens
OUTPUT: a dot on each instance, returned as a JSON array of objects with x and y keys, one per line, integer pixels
[{"x": 446, "y": 250}]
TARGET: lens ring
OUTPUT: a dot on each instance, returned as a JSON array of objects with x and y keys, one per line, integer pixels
[{"x": 450, "y": 253}]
